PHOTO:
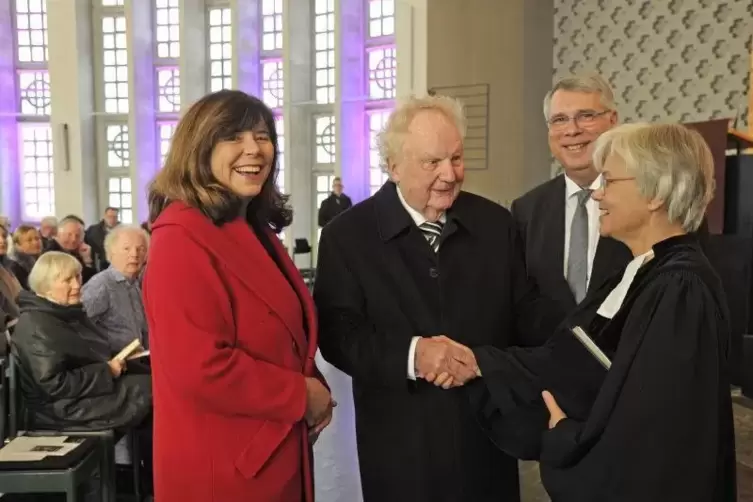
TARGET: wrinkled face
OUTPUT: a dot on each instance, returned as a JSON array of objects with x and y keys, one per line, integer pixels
[
  {"x": 128, "y": 253},
  {"x": 70, "y": 236},
  {"x": 65, "y": 290},
  {"x": 243, "y": 162},
  {"x": 576, "y": 120},
  {"x": 30, "y": 243},
  {"x": 111, "y": 217},
  {"x": 430, "y": 170},
  {"x": 624, "y": 211}
]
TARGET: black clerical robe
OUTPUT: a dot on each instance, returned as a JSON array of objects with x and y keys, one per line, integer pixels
[{"x": 657, "y": 426}]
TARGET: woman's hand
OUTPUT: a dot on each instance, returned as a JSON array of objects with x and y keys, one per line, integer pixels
[
  {"x": 555, "y": 412},
  {"x": 117, "y": 367}
]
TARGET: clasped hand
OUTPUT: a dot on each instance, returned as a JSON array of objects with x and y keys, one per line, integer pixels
[
  {"x": 319, "y": 407},
  {"x": 444, "y": 362}
]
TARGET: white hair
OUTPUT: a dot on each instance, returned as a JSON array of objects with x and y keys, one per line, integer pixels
[
  {"x": 49, "y": 220},
  {"x": 670, "y": 162},
  {"x": 49, "y": 267},
  {"x": 589, "y": 84},
  {"x": 114, "y": 234},
  {"x": 390, "y": 140}
]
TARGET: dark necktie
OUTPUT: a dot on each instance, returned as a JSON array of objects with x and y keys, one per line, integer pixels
[
  {"x": 432, "y": 231},
  {"x": 577, "y": 258}
]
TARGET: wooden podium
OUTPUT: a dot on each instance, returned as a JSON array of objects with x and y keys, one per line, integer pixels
[{"x": 729, "y": 246}]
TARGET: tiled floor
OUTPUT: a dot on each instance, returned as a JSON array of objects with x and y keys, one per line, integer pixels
[{"x": 532, "y": 490}]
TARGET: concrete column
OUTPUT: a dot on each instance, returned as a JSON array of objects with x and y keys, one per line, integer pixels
[
  {"x": 71, "y": 76},
  {"x": 10, "y": 179},
  {"x": 247, "y": 45},
  {"x": 194, "y": 66},
  {"x": 507, "y": 45},
  {"x": 299, "y": 124},
  {"x": 142, "y": 129},
  {"x": 351, "y": 139}
]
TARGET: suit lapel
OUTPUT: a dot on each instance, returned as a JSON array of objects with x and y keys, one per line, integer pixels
[{"x": 552, "y": 225}]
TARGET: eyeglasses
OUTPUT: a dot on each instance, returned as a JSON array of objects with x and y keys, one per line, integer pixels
[
  {"x": 605, "y": 182},
  {"x": 583, "y": 118}
]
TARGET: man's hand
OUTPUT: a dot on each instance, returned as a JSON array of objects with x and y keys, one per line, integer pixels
[
  {"x": 318, "y": 402},
  {"x": 444, "y": 362},
  {"x": 117, "y": 367}
]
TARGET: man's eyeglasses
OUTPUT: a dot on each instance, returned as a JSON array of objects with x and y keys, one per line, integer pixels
[{"x": 583, "y": 118}]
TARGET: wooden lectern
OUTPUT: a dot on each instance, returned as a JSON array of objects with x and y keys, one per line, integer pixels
[{"x": 730, "y": 245}]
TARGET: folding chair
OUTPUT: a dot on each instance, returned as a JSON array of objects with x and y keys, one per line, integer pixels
[{"x": 53, "y": 474}]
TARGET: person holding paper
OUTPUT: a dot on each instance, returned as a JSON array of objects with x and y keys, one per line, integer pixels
[
  {"x": 657, "y": 424},
  {"x": 233, "y": 329},
  {"x": 66, "y": 371}
]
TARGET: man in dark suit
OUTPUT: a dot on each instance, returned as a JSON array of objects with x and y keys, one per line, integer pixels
[
  {"x": 558, "y": 221},
  {"x": 418, "y": 260},
  {"x": 95, "y": 237},
  {"x": 336, "y": 203}
]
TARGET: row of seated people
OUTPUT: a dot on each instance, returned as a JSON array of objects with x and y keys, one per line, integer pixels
[{"x": 64, "y": 334}]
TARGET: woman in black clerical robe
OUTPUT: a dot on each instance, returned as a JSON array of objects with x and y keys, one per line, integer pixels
[{"x": 657, "y": 425}]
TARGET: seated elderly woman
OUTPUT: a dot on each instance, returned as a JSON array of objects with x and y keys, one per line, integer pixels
[
  {"x": 67, "y": 373},
  {"x": 27, "y": 246},
  {"x": 651, "y": 419},
  {"x": 112, "y": 298}
]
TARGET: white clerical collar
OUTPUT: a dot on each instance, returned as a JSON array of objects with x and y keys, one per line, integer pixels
[
  {"x": 571, "y": 187},
  {"x": 417, "y": 217},
  {"x": 614, "y": 301}
]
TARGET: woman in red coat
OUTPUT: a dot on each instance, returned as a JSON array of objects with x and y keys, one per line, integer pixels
[{"x": 238, "y": 400}]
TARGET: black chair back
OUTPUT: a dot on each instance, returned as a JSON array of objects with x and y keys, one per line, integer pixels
[{"x": 4, "y": 401}]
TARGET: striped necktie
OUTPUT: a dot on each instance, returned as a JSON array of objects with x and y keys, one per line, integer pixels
[{"x": 432, "y": 230}]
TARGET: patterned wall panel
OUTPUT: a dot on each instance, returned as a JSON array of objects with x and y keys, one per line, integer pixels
[{"x": 669, "y": 60}]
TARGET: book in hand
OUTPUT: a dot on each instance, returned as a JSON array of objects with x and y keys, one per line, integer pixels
[
  {"x": 591, "y": 346},
  {"x": 130, "y": 350}
]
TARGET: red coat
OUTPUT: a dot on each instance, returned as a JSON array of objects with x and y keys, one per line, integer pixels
[{"x": 229, "y": 355}]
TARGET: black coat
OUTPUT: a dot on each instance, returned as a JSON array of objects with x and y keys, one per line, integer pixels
[
  {"x": 333, "y": 206},
  {"x": 658, "y": 425},
  {"x": 540, "y": 218},
  {"x": 21, "y": 266},
  {"x": 379, "y": 284},
  {"x": 95, "y": 237},
  {"x": 63, "y": 371}
]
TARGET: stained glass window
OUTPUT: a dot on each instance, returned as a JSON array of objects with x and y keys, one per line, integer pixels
[
  {"x": 271, "y": 25},
  {"x": 272, "y": 92},
  {"x": 38, "y": 197},
  {"x": 381, "y": 18},
  {"x": 167, "y": 36},
  {"x": 325, "y": 139}
]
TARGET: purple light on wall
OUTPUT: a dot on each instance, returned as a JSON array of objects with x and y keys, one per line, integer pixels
[{"x": 10, "y": 183}]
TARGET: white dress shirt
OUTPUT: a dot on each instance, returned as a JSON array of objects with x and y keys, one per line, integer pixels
[
  {"x": 419, "y": 219},
  {"x": 592, "y": 208}
]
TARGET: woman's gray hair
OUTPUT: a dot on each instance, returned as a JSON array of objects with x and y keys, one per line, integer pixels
[
  {"x": 114, "y": 234},
  {"x": 49, "y": 267},
  {"x": 670, "y": 162},
  {"x": 589, "y": 84},
  {"x": 390, "y": 139}
]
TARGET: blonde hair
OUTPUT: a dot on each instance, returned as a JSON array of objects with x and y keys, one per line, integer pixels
[
  {"x": 114, "y": 234},
  {"x": 22, "y": 230},
  {"x": 51, "y": 266},
  {"x": 670, "y": 162},
  {"x": 589, "y": 84},
  {"x": 390, "y": 140}
]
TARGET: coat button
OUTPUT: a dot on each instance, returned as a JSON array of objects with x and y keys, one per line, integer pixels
[{"x": 433, "y": 273}]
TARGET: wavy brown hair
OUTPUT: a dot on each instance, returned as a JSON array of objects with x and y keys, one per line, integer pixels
[{"x": 187, "y": 174}]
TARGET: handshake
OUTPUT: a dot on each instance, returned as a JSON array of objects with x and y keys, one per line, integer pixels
[{"x": 444, "y": 362}]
